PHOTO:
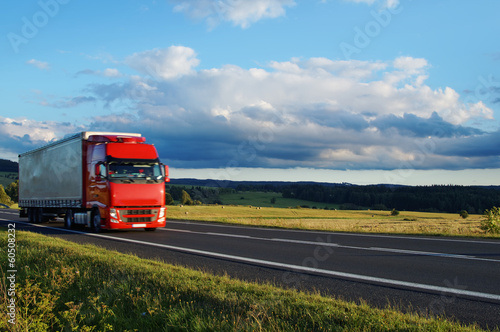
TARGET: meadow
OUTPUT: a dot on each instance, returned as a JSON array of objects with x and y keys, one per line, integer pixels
[
  {"x": 63, "y": 286},
  {"x": 364, "y": 221}
]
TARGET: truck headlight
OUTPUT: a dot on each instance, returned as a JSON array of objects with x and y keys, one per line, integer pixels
[
  {"x": 113, "y": 214},
  {"x": 161, "y": 214}
]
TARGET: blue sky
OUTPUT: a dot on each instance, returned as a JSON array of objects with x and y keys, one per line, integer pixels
[{"x": 361, "y": 91}]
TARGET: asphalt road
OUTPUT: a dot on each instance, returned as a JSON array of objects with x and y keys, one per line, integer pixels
[{"x": 457, "y": 278}]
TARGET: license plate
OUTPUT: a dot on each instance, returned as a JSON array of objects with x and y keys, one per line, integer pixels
[{"x": 139, "y": 225}]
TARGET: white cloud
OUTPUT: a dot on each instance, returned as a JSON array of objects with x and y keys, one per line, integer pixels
[
  {"x": 21, "y": 134},
  {"x": 239, "y": 12},
  {"x": 111, "y": 72},
  {"x": 39, "y": 64},
  {"x": 108, "y": 72},
  {"x": 382, "y": 3},
  {"x": 315, "y": 112},
  {"x": 167, "y": 63}
]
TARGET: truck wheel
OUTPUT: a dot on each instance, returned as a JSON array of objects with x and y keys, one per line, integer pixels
[
  {"x": 96, "y": 221},
  {"x": 69, "y": 219},
  {"x": 38, "y": 216},
  {"x": 31, "y": 215}
]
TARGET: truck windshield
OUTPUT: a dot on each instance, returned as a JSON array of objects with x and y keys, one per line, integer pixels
[{"x": 133, "y": 170}]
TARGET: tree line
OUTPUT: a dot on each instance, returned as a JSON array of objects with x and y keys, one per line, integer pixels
[
  {"x": 436, "y": 198},
  {"x": 8, "y": 166},
  {"x": 195, "y": 195}
]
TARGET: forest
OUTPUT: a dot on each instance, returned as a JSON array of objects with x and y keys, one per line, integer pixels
[
  {"x": 8, "y": 166},
  {"x": 437, "y": 198}
]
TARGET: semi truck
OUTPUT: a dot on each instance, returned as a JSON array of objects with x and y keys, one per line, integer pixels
[{"x": 102, "y": 180}]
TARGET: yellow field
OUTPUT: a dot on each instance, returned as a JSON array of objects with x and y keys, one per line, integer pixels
[{"x": 330, "y": 220}]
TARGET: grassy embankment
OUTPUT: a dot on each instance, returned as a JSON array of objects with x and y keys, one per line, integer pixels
[
  {"x": 64, "y": 286},
  {"x": 421, "y": 223}
]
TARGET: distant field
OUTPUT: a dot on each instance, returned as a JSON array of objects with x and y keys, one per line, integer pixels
[
  {"x": 7, "y": 177},
  {"x": 422, "y": 223},
  {"x": 264, "y": 199}
]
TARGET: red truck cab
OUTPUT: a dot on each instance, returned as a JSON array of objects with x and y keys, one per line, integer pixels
[{"x": 126, "y": 183}]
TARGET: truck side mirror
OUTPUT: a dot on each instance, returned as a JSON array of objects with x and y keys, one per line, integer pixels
[
  {"x": 97, "y": 171},
  {"x": 167, "y": 179}
]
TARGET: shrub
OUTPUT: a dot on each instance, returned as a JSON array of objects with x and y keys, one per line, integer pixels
[
  {"x": 464, "y": 214},
  {"x": 394, "y": 212},
  {"x": 13, "y": 191},
  {"x": 186, "y": 198},
  {"x": 168, "y": 199},
  {"x": 491, "y": 221},
  {"x": 4, "y": 198}
]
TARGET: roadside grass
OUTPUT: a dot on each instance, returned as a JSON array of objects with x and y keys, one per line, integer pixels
[
  {"x": 63, "y": 286},
  {"x": 360, "y": 221},
  {"x": 13, "y": 206}
]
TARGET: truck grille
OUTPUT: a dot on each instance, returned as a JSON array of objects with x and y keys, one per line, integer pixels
[
  {"x": 138, "y": 215},
  {"x": 134, "y": 212},
  {"x": 138, "y": 219}
]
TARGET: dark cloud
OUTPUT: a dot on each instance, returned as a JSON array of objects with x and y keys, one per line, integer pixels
[
  {"x": 338, "y": 119},
  {"x": 486, "y": 145},
  {"x": 414, "y": 126}
]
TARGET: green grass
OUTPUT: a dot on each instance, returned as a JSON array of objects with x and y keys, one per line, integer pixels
[
  {"x": 359, "y": 221},
  {"x": 63, "y": 286}
]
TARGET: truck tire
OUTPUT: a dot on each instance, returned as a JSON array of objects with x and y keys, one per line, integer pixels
[
  {"x": 69, "y": 219},
  {"x": 31, "y": 215},
  {"x": 95, "y": 221},
  {"x": 38, "y": 216}
]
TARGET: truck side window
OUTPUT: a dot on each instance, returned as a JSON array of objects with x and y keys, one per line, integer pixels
[{"x": 102, "y": 170}]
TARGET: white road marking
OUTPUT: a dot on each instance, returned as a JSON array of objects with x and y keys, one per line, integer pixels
[
  {"x": 328, "y": 244},
  {"x": 296, "y": 268},
  {"x": 420, "y": 238}
]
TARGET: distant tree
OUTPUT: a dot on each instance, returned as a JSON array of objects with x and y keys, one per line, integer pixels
[
  {"x": 491, "y": 221},
  {"x": 176, "y": 192},
  {"x": 168, "y": 199},
  {"x": 464, "y": 214},
  {"x": 273, "y": 200},
  {"x": 13, "y": 191},
  {"x": 4, "y": 198},
  {"x": 186, "y": 199},
  {"x": 379, "y": 207},
  {"x": 394, "y": 212}
]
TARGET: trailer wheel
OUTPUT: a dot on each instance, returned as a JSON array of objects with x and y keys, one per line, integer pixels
[
  {"x": 38, "y": 216},
  {"x": 69, "y": 219},
  {"x": 96, "y": 221},
  {"x": 31, "y": 215}
]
